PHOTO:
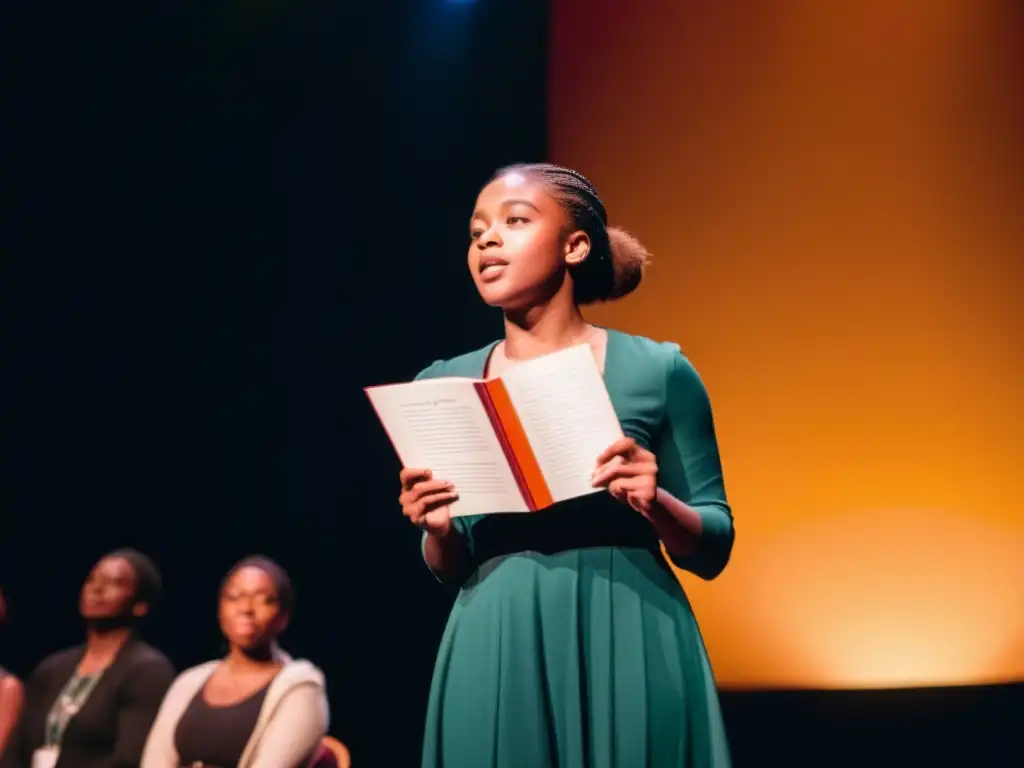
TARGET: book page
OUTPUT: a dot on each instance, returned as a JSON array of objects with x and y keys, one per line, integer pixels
[
  {"x": 567, "y": 416},
  {"x": 441, "y": 425}
]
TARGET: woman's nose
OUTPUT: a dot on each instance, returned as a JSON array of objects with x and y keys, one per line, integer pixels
[{"x": 489, "y": 239}]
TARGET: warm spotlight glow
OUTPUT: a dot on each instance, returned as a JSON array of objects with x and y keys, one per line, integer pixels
[
  {"x": 829, "y": 197},
  {"x": 915, "y": 598},
  {"x": 513, "y": 179}
]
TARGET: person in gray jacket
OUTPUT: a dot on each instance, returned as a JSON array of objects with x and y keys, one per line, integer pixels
[{"x": 255, "y": 708}]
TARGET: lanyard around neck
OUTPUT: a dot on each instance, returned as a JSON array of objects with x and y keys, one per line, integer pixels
[{"x": 69, "y": 703}]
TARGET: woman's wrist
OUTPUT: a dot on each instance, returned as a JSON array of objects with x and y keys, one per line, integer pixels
[
  {"x": 677, "y": 524},
  {"x": 441, "y": 537}
]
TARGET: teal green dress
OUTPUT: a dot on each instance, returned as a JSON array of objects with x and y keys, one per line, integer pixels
[{"x": 572, "y": 644}]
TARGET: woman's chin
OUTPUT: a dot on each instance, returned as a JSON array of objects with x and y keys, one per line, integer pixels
[
  {"x": 256, "y": 647},
  {"x": 245, "y": 641},
  {"x": 492, "y": 295},
  {"x": 503, "y": 299}
]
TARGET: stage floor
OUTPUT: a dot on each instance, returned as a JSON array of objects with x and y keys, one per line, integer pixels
[{"x": 973, "y": 727}]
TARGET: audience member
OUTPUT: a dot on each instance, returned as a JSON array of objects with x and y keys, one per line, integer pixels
[
  {"x": 91, "y": 706},
  {"x": 256, "y": 707}
]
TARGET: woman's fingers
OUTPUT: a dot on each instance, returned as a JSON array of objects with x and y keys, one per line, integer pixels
[
  {"x": 427, "y": 503},
  {"x": 620, "y": 469},
  {"x": 410, "y": 476},
  {"x": 622, "y": 447},
  {"x": 422, "y": 489}
]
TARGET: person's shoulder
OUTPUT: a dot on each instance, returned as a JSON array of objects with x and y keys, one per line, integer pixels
[
  {"x": 9, "y": 684},
  {"x": 298, "y": 671},
  {"x": 142, "y": 654},
  {"x": 666, "y": 359},
  {"x": 300, "y": 687},
  {"x": 143, "y": 669},
  {"x": 469, "y": 364},
  {"x": 60, "y": 662},
  {"x": 667, "y": 354}
]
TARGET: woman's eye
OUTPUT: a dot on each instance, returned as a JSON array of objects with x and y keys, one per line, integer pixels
[
  {"x": 474, "y": 234},
  {"x": 516, "y": 220}
]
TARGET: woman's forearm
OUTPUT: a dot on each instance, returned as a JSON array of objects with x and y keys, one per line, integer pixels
[
  {"x": 697, "y": 539},
  {"x": 678, "y": 525},
  {"x": 446, "y": 555}
]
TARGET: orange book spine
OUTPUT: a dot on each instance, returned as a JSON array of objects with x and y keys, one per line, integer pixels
[{"x": 516, "y": 445}]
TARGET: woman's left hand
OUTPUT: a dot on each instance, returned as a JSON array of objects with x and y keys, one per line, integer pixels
[{"x": 630, "y": 473}]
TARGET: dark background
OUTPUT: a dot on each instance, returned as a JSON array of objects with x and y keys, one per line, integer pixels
[
  {"x": 227, "y": 218},
  {"x": 227, "y": 222}
]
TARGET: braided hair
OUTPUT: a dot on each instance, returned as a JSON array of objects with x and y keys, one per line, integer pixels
[{"x": 615, "y": 265}]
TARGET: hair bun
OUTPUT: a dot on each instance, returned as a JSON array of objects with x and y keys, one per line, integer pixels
[{"x": 629, "y": 260}]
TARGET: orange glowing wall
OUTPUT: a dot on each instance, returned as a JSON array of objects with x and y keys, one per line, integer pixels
[{"x": 833, "y": 196}]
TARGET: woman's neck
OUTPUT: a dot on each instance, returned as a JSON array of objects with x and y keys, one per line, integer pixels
[
  {"x": 102, "y": 646},
  {"x": 544, "y": 329},
  {"x": 239, "y": 660}
]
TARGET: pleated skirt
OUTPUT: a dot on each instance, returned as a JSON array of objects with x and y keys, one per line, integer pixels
[{"x": 587, "y": 658}]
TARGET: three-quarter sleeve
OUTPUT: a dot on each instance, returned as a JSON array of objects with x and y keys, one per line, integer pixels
[{"x": 690, "y": 468}]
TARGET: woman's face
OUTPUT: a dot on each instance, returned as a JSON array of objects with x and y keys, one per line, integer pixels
[
  {"x": 109, "y": 591},
  {"x": 518, "y": 245},
  {"x": 250, "y": 609}
]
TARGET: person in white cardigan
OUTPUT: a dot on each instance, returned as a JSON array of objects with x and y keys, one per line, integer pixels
[{"x": 255, "y": 708}]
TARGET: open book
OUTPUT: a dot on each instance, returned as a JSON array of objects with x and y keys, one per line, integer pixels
[{"x": 518, "y": 442}]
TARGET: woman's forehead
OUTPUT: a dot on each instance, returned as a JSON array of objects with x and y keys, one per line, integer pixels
[
  {"x": 512, "y": 180},
  {"x": 511, "y": 186},
  {"x": 115, "y": 568},
  {"x": 252, "y": 577}
]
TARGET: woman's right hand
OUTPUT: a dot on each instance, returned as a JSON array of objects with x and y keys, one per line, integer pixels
[{"x": 426, "y": 501}]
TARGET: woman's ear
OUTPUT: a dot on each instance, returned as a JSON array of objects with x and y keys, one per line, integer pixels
[{"x": 577, "y": 248}]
